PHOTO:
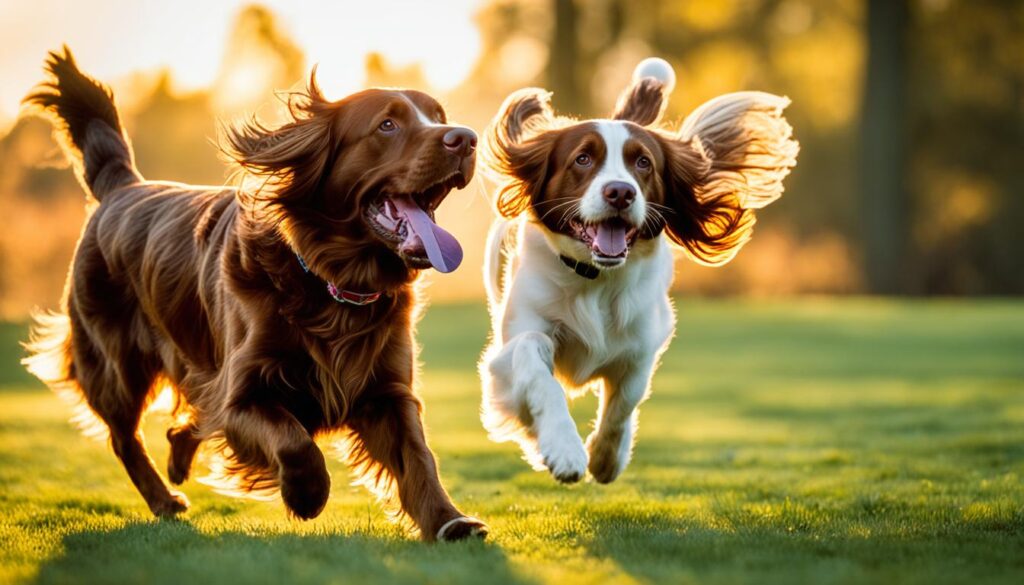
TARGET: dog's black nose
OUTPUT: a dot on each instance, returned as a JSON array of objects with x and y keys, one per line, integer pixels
[
  {"x": 461, "y": 141},
  {"x": 618, "y": 194}
]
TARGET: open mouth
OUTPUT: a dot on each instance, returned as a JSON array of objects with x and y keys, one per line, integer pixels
[
  {"x": 609, "y": 240},
  {"x": 406, "y": 221}
]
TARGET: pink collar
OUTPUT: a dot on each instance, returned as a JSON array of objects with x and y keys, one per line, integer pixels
[{"x": 344, "y": 296}]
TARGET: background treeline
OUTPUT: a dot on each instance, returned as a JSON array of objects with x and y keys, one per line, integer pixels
[{"x": 910, "y": 116}]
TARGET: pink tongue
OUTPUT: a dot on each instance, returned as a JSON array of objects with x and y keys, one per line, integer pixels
[
  {"x": 611, "y": 239},
  {"x": 442, "y": 248}
]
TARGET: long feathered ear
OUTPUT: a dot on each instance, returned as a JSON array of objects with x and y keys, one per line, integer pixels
[
  {"x": 288, "y": 162},
  {"x": 515, "y": 151},
  {"x": 749, "y": 143},
  {"x": 728, "y": 159},
  {"x": 644, "y": 101},
  {"x": 711, "y": 230}
]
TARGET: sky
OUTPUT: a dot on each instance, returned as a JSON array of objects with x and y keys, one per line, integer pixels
[{"x": 113, "y": 38}]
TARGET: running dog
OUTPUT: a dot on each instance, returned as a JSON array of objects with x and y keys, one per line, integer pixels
[
  {"x": 278, "y": 311},
  {"x": 579, "y": 268}
]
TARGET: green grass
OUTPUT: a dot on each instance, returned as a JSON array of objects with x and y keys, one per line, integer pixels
[{"x": 814, "y": 440}]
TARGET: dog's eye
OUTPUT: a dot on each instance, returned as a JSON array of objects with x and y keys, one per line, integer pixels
[
  {"x": 388, "y": 126},
  {"x": 583, "y": 160},
  {"x": 643, "y": 163}
]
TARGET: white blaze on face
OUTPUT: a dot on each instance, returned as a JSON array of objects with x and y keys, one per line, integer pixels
[
  {"x": 593, "y": 207},
  {"x": 426, "y": 121},
  {"x": 423, "y": 119}
]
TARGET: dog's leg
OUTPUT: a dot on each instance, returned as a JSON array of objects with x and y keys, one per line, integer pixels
[
  {"x": 184, "y": 435},
  {"x": 611, "y": 444},
  {"x": 122, "y": 417},
  {"x": 116, "y": 391},
  {"x": 184, "y": 442},
  {"x": 522, "y": 392},
  {"x": 269, "y": 437},
  {"x": 132, "y": 452},
  {"x": 390, "y": 440}
]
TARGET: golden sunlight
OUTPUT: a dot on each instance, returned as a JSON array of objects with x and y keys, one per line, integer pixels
[{"x": 188, "y": 38}]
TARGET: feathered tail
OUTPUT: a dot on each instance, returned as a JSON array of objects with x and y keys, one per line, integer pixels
[{"x": 88, "y": 125}]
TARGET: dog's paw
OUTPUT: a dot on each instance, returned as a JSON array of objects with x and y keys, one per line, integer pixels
[
  {"x": 183, "y": 450},
  {"x": 462, "y": 528},
  {"x": 175, "y": 474},
  {"x": 607, "y": 457},
  {"x": 305, "y": 484},
  {"x": 178, "y": 469},
  {"x": 175, "y": 503},
  {"x": 565, "y": 458}
]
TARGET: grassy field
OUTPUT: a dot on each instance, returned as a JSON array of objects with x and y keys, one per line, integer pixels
[{"x": 809, "y": 441}]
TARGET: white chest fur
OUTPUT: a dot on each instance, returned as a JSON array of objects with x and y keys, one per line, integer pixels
[
  {"x": 556, "y": 331},
  {"x": 623, "y": 314}
]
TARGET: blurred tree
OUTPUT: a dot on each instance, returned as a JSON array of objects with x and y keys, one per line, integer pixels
[
  {"x": 173, "y": 136},
  {"x": 885, "y": 208},
  {"x": 910, "y": 114},
  {"x": 380, "y": 73},
  {"x": 261, "y": 57},
  {"x": 564, "y": 58},
  {"x": 38, "y": 189},
  {"x": 966, "y": 87}
]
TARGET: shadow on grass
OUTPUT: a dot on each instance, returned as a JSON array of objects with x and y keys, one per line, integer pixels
[
  {"x": 794, "y": 547},
  {"x": 176, "y": 552}
]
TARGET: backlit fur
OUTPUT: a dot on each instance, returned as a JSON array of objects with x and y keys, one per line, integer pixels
[
  {"x": 199, "y": 288},
  {"x": 556, "y": 333}
]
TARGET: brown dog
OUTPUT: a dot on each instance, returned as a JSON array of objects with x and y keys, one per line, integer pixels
[{"x": 277, "y": 312}]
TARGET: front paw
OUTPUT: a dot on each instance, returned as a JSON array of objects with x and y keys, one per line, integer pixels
[
  {"x": 305, "y": 483},
  {"x": 171, "y": 505},
  {"x": 183, "y": 450},
  {"x": 608, "y": 457},
  {"x": 565, "y": 457}
]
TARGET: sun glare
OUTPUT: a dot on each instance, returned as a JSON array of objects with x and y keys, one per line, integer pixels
[
  {"x": 441, "y": 37},
  {"x": 188, "y": 37},
  {"x": 243, "y": 85}
]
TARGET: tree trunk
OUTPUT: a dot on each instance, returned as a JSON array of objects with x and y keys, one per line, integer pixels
[
  {"x": 885, "y": 231},
  {"x": 564, "y": 59}
]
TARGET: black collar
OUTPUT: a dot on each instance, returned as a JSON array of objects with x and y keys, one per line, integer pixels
[{"x": 582, "y": 268}]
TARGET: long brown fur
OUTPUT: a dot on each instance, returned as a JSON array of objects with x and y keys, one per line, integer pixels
[{"x": 200, "y": 288}]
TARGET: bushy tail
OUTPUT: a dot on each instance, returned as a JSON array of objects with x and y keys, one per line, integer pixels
[{"x": 90, "y": 130}]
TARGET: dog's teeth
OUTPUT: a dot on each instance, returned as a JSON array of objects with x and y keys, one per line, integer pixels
[{"x": 385, "y": 221}]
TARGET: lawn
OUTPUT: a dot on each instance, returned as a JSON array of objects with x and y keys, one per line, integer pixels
[{"x": 805, "y": 441}]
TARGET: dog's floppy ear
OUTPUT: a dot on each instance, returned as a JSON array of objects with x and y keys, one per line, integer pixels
[
  {"x": 709, "y": 229},
  {"x": 289, "y": 161},
  {"x": 749, "y": 143},
  {"x": 728, "y": 159},
  {"x": 645, "y": 99},
  {"x": 515, "y": 149}
]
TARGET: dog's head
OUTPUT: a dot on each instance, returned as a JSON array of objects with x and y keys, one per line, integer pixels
[
  {"x": 358, "y": 179},
  {"x": 603, "y": 188}
]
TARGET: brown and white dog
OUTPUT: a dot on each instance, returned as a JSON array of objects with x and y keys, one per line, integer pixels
[
  {"x": 578, "y": 272},
  {"x": 277, "y": 313}
]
